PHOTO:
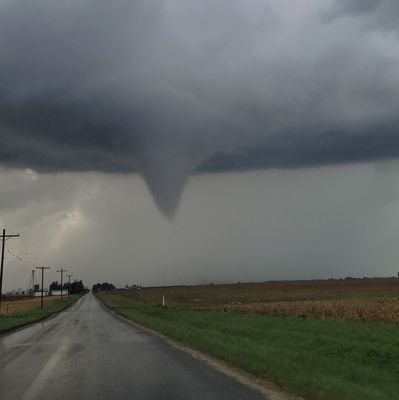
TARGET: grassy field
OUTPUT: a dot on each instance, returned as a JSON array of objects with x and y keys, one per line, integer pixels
[
  {"x": 319, "y": 359},
  {"x": 353, "y": 299},
  {"x": 28, "y": 315}
]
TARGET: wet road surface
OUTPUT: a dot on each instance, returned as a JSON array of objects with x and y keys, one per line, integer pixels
[{"x": 87, "y": 353}]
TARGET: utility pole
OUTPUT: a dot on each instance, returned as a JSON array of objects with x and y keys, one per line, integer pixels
[
  {"x": 33, "y": 283},
  {"x": 69, "y": 287},
  {"x": 4, "y": 237},
  {"x": 42, "y": 268},
  {"x": 62, "y": 270}
]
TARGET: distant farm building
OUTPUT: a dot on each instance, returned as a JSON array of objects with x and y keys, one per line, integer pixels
[{"x": 57, "y": 292}]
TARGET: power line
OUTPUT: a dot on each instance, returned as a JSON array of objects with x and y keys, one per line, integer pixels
[
  {"x": 17, "y": 256},
  {"x": 42, "y": 268},
  {"x": 4, "y": 237}
]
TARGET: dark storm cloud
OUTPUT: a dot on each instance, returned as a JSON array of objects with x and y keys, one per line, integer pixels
[
  {"x": 354, "y": 7},
  {"x": 380, "y": 143},
  {"x": 377, "y": 14},
  {"x": 163, "y": 88}
]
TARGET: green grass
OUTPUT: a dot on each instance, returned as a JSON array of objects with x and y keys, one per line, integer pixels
[
  {"x": 317, "y": 359},
  {"x": 11, "y": 322}
]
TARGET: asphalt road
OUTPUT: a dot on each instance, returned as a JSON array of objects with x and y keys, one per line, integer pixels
[{"x": 88, "y": 353}]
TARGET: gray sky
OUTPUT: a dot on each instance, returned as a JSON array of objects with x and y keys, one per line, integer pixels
[{"x": 284, "y": 114}]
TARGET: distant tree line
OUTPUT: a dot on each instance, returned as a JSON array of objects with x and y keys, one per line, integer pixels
[
  {"x": 76, "y": 287},
  {"x": 102, "y": 287}
]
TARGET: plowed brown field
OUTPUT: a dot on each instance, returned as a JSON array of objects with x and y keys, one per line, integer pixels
[{"x": 352, "y": 299}]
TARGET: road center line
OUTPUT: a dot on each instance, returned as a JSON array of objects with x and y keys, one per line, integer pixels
[{"x": 46, "y": 371}]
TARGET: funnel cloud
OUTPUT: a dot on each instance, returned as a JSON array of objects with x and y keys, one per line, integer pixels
[{"x": 170, "y": 88}]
